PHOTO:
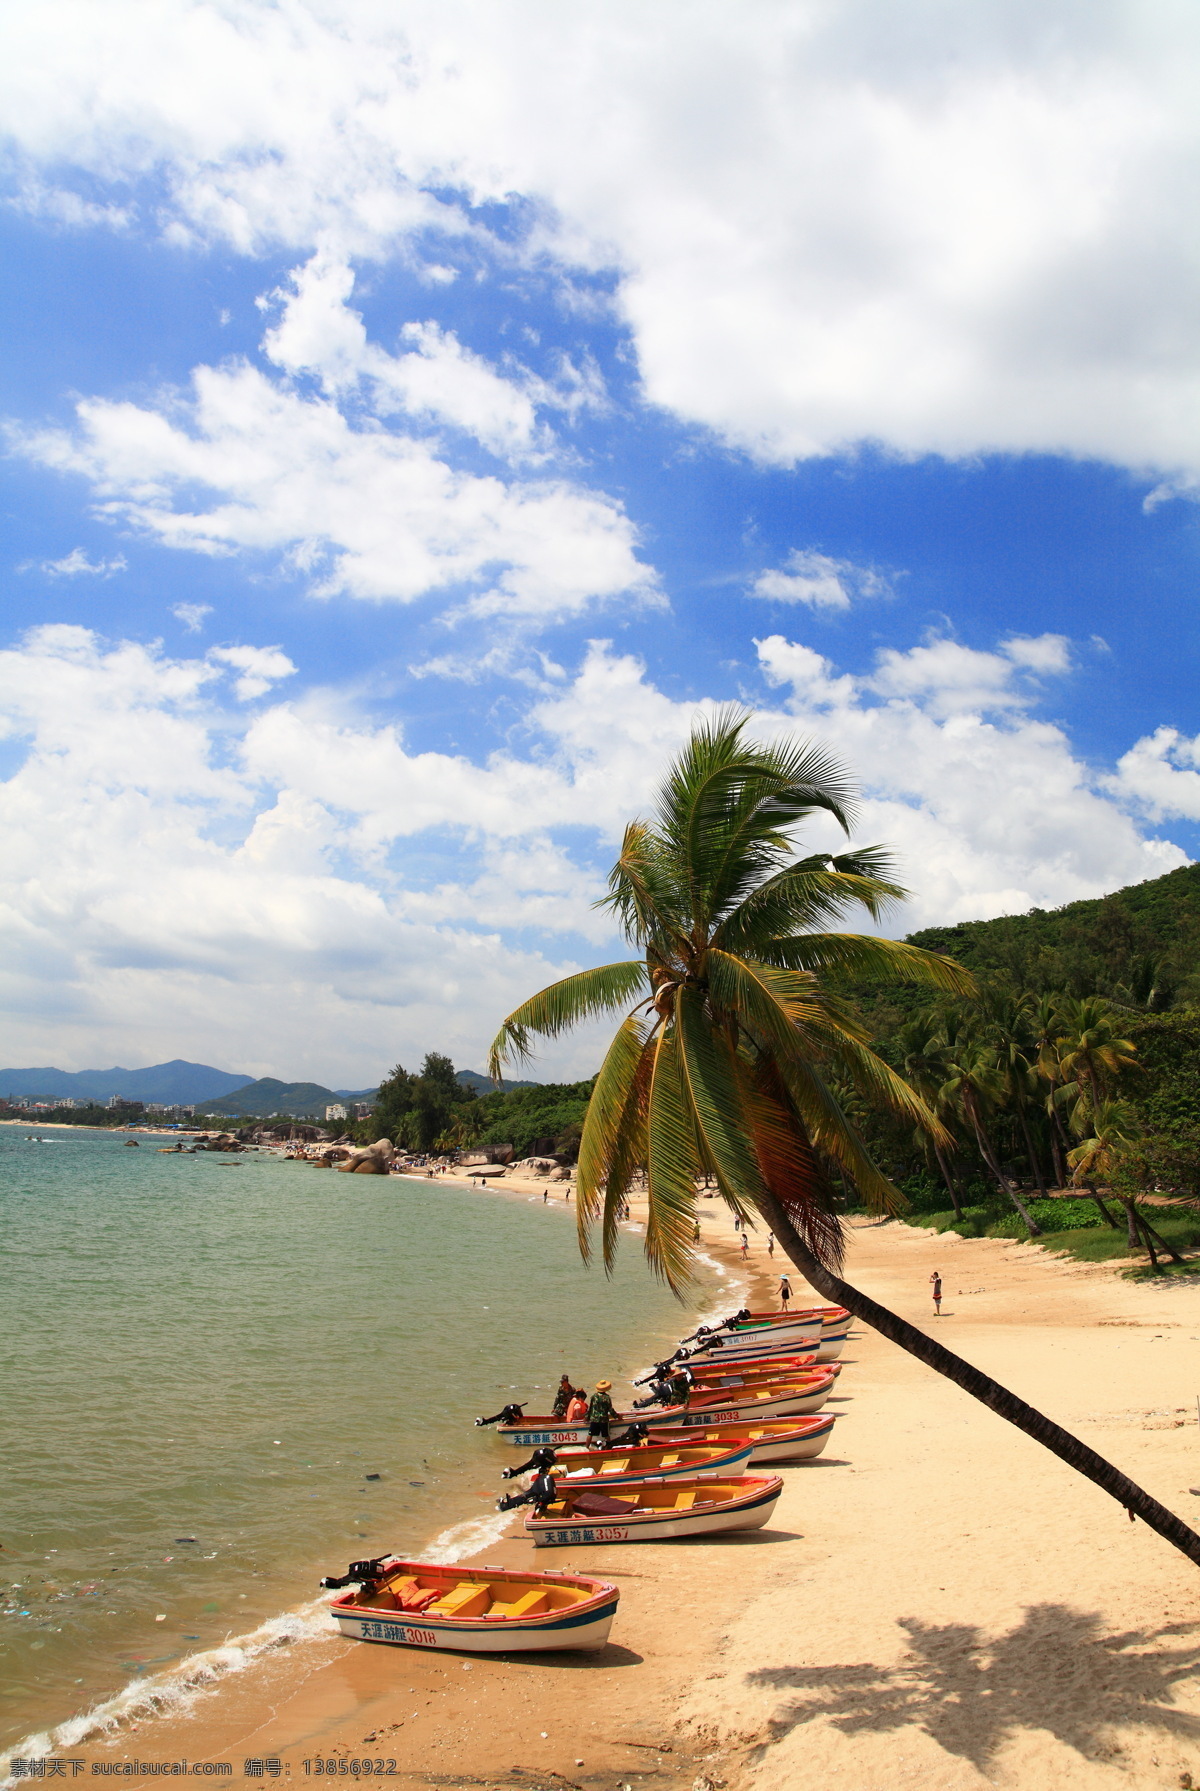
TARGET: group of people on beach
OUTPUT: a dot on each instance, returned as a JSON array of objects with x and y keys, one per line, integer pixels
[{"x": 574, "y": 1406}]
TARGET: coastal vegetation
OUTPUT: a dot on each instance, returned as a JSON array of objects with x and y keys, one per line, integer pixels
[{"x": 741, "y": 1055}]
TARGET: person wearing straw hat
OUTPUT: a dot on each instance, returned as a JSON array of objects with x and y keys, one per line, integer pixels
[{"x": 601, "y": 1412}]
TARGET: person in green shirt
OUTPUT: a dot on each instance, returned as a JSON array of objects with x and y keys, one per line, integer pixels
[{"x": 601, "y": 1412}]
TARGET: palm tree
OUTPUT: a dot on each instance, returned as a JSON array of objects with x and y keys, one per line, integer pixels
[
  {"x": 921, "y": 1049},
  {"x": 975, "y": 1082},
  {"x": 1091, "y": 1056},
  {"x": 1113, "y": 1134},
  {"x": 720, "y": 1065},
  {"x": 1010, "y": 1021}
]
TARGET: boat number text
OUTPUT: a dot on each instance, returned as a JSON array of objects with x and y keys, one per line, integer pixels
[
  {"x": 610, "y": 1533},
  {"x": 398, "y": 1632}
]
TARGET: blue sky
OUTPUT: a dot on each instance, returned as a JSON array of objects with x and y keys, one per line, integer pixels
[{"x": 416, "y": 415}]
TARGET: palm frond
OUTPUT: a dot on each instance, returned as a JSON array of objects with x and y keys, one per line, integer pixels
[
  {"x": 805, "y": 895},
  {"x": 672, "y": 1161},
  {"x": 881, "y": 1085},
  {"x": 768, "y": 1002},
  {"x": 859, "y": 957},
  {"x": 789, "y": 1164},
  {"x": 710, "y": 1076},
  {"x": 833, "y": 1131},
  {"x": 613, "y": 1129},
  {"x": 562, "y": 1005}
]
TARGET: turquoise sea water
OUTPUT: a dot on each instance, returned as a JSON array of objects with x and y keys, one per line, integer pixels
[{"x": 224, "y": 1376}]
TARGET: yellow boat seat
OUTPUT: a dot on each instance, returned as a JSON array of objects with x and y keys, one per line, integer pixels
[
  {"x": 616, "y": 1467},
  {"x": 669, "y": 1461},
  {"x": 470, "y": 1600},
  {"x": 530, "y": 1604},
  {"x": 685, "y": 1500}
]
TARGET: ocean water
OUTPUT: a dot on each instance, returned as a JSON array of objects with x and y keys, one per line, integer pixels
[{"x": 221, "y": 1377}]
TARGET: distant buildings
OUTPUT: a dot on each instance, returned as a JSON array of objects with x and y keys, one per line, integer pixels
[{"x": 335, "y": 1110}]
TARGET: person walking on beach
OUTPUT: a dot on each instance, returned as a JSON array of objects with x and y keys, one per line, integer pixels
[
  {"x": 785, "y": 1292},
  {"x": 770, "y": 1243},
  {"x": 745, "y": 1246},
  {"x": 600, "y": 1413},
  {"x": 936, "y": 1282}
]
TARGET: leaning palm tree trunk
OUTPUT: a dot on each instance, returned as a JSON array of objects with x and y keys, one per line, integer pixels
[{"x": 980, "y": 1386}]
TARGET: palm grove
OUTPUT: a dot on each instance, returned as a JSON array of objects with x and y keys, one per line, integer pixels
[{"x": 742, "y": 1056}]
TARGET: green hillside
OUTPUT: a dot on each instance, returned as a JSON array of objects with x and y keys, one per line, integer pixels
[
  {"x": 268, "y": 1095},
  {"x": 1140, "y": 945}
]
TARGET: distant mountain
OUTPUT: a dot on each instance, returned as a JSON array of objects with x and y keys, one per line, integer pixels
[
  {"x": 484, "y": 1084},
  {"x": 175, "y": 1082},
  {"x": 269, "y": 1095},
  {"x": 198, "y": 1084}
]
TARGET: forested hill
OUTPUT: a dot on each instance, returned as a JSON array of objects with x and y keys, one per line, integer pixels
[{"x": 1140, "y": 945}]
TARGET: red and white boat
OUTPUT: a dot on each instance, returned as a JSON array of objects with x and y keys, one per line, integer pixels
[
  {"x": 475, "y": 1610},
  {"x": 656, "y": 1510}
]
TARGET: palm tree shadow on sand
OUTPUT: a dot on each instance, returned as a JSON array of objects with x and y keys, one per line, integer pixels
[{"x": 1059, "y": 1670}]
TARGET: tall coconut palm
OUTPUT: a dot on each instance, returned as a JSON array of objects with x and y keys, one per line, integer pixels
[
  {"x": 1112, "y": 1129},
  {"x": 734, "y": 1025},
  {"x": 975, "y": 1082},
  {"x": 922, "y": 1050}
]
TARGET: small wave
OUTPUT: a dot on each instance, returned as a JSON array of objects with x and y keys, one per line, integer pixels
[
  {"x": 175, "y": 1690},
  {"x": 466, "y": 1538}
]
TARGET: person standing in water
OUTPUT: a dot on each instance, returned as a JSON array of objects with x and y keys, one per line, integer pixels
[
  {"x": 936, "y": 1283},
  {"x": 785, "y": 1293}
]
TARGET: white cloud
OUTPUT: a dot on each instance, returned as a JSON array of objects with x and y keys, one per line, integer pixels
[
  {"x": 438, "y": 379},
  {"x": 819, "y": 581},
  {"x": 941, "y": 230},
  {"x": 260, "y": 667},
  {"x": 191, "y": 615},
  {"x": 77, "y": 562},
  {"x": 290, "y": 894},
  {"x": 251, "y": 465},
  {"x": 1159, "y": 775},
  {"x": 951, "y": 678}
]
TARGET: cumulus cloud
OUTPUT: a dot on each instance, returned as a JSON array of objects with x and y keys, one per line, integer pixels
[
  {"x": 1160, "y": 774},
  {"x": 259, "y": 668},
  {"x": 946, "y": 231},
  {"x": 252, "y": 465},
  {"x": 819, "y": 581},
  {"x": 75, "y": 563},
  {"x": 280, "y": 881},
  {"x": 191, "y": 615}
]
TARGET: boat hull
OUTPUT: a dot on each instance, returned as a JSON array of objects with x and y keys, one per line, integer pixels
[
  {"x": 750, "y": 1511},
  {"x": 364, "y": 1617},
  {"x": 589, "y": 1630}
]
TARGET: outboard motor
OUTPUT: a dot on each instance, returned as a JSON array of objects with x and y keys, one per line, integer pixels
[
  {"x": 659, "y": 1372},
  {"x": 541, "y": 1459},
  {"x": 366, "y": 1574},
  {"x": 509, "y": 1414},
  {"x": 541, "y": 1494}
]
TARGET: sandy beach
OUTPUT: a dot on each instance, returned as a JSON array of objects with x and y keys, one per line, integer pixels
[{"x": 938, "y": 1603}]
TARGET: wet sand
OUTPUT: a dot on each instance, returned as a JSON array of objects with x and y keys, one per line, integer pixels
[{"x": 938, "y": 1603}]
